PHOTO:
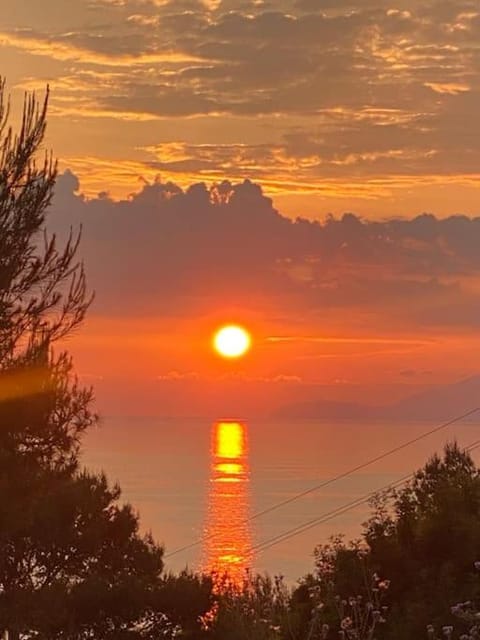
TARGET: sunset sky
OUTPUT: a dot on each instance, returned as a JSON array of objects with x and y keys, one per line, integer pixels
[{"x": 298, "y": 109}]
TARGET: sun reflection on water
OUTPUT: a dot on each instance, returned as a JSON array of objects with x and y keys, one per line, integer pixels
[{"x": 227, "y": 546}]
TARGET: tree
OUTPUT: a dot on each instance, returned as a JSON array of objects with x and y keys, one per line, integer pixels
[
  {"x": 429, "y": 541},
  {"x": 72, "y": 562},
  {"x": 257, "y": 609},
  {"x": 43, "y": 298},
  {"x": 425, "y": 538}
]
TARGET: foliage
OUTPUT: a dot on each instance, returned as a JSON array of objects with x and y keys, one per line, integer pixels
[
  {"x": 187, "y": 598},
  {"x": 72, "y": 561},
  {"x": 351, "y": 610},
  {"x": 469, "y": 616},
  {"x": 43, "y": 298},
  {"x": 424, "y": 537},
  {"x": 430, "y": 542},
  {"x": 256, "y": 610}
]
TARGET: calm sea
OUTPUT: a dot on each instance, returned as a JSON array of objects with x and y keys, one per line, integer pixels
[{"x": 198, "y": 484}]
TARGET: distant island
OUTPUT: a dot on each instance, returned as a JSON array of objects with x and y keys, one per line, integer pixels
[{"x": 436, "y": 403}]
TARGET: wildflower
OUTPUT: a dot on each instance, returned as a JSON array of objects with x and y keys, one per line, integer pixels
[
  {"x": 346, "y": 623},
  {"x": 477, "y": 565},
  {"x": 314, "y": 591},
  {"x": 447, "y": 631}
]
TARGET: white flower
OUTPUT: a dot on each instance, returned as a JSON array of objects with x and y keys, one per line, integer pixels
[{"x": 346, "y": 623}]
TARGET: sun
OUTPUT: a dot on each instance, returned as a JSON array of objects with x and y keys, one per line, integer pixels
[{"x": 232, "y": 341}]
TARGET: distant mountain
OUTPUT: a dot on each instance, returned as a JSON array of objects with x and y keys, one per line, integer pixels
[{"x": 439, "y": 402}]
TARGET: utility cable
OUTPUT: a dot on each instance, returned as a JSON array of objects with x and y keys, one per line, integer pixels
[
  {"x": 330, "y": 515},
  {"x": 336, "y": 478}
]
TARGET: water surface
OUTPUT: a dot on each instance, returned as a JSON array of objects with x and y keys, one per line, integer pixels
[{"x": 197, "y": 483}]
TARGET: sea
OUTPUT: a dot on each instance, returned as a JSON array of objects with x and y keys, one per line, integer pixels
[{"x": 227, "y": 495}]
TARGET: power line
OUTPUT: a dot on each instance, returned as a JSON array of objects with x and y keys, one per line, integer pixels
[
  {"x": 362, "y": 466},
  {"x": 330, "y": 515},
  {"x": 336, "y": 478}
]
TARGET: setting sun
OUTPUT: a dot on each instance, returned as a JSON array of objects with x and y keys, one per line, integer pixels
[{"x": 232, "y": 341}]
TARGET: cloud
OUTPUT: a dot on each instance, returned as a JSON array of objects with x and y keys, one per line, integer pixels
[
  {"x": 412, "y": 373},
  {"x": 369, "y": 91},
  {"x": 90, "y": 49},
  {"x": 181, "y": 253},
  {"x": 246, "y": 58},
  {"x": 178, "y": 376}
]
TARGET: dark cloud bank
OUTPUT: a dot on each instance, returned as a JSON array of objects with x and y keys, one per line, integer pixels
[{"x": 174, "y": 252}]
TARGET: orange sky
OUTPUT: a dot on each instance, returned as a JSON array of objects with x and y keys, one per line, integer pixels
[
  {"x": 295, "y": 109},
  {"x": 346, "y": 305},
  {"x": 157, "y": 368}
]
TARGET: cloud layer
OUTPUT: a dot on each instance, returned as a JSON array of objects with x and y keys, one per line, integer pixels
[
  {"x": 304, "y": 95},
  {"x": 184, "y": 253}
]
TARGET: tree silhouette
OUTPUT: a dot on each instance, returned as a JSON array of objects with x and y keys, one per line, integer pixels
[
  {"x": 72, "y": 562},
  {"x": 426, "y": 537},
  {"x": 43, "y": 298},
  {"x": 423, "y": 539}
]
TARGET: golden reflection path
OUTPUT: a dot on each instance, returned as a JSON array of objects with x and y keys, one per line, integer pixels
[{"x": 228, "y": 540}]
